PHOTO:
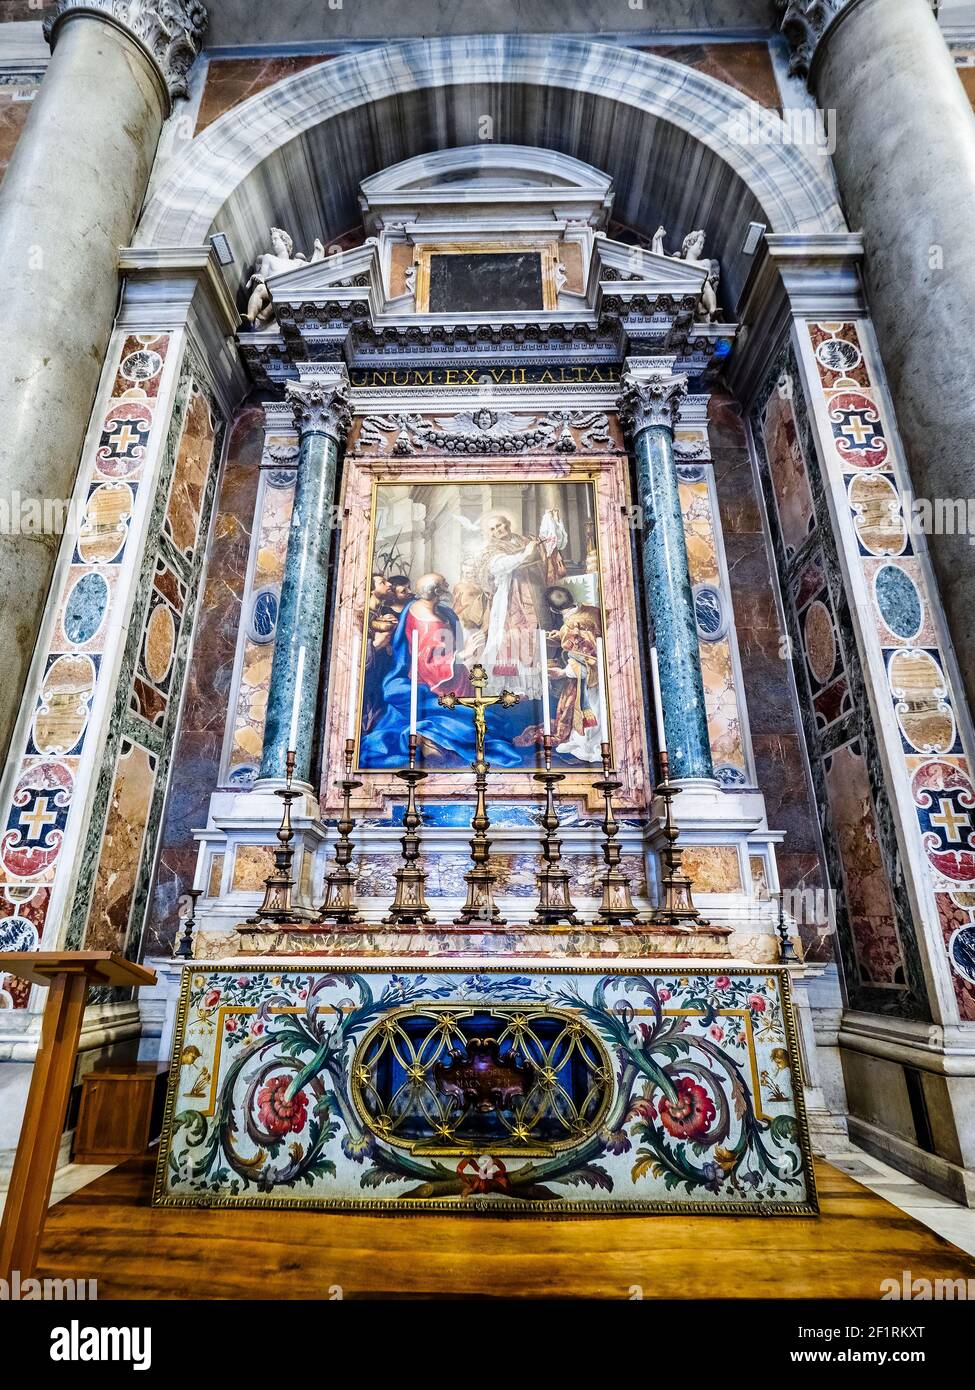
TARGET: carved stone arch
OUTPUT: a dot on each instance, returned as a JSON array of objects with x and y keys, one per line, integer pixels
[{"x": 652, "y": 121}]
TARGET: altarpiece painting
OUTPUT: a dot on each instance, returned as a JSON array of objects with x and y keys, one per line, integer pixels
[{"x": 475, "y": 560}]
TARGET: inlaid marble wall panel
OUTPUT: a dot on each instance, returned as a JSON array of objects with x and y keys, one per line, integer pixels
[
  {"x": 229, "y": 81},
  {"x": 269, "y": 548},
  {"x": 44, "y": 809},
  {"x": 882, "y": 965},
  {"x": 902, "y": 623},
  {"x": 17, "y": 93},
  {"x": 208, "y": 702},
  {"x": 715, "y": 624},
  {"x": 775, "y": 737},
  {"x": 129, "y": 805},
  {"x": 110, "y": 900},
  {"x": 747, "y": 67}
]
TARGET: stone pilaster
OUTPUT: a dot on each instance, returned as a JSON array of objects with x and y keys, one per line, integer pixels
[
  {"x": 322, "y": 415},
  {"x": 69, "y": 201},
  {"x": 648, "y": 410},
  {"x": 905, "y": 164}
]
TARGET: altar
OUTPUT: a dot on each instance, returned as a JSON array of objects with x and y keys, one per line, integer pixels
[{"x": 485, "y": 913}]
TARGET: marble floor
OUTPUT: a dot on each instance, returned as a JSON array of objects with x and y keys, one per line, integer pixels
[
  {"x": 947, "y": 1218},
  {"x": 71, "y": 1178}
]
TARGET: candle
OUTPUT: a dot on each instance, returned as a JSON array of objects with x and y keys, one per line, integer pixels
[
  {"x": 414, "y": 682},
  {"x": 658, "y": 703},
  {"x": 603, "y": 702},
  {"x": 296, "y": 707},
  {"x": 543, "y": 661},
  {"x": 353, "y": 688},
  {"x": 201, "y": 861}
]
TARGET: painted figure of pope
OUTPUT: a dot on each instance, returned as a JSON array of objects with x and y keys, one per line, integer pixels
[{"x": 510, "y": 572}]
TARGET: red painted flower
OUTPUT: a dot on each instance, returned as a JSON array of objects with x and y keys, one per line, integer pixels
[
  {"x": 211, "y": 998},
  {"x": 722, "y": 982},
  {"x": 757, "y": 1003},
  {"x": 663, "y": 994},
  {"x": 691, "y": 1115},
  {"x": 277, "y": 1115}
]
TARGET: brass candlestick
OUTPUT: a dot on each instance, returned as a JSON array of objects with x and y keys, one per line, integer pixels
[
  {"x": 617, "y": 906},
  {"x": 554, "y": 903},
  {"x": 409, "y": 906},
  {"x": 277, "y": 905},
  {"x": 184, "y": 951},
  {"x": 340, "y": 904},
  {"x": 480, "y": 905},
  {"x": 677, "y": 908}
]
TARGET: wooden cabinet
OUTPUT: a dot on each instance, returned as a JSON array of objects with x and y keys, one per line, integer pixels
[{"x": 115, "y": 1119}]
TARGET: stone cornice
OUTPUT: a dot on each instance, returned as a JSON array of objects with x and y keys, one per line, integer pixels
[
  {"x": 169, "y": 32},
  {"x": 321, "y": 405}
]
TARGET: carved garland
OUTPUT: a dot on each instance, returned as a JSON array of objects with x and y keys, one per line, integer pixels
[{"x": 485, "y": 432}]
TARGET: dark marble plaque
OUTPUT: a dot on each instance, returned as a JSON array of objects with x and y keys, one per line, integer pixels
[{"x": 478, "y": 282}]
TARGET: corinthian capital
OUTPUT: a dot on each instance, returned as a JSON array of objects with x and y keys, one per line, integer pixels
[
  {"x": 170, "y": 32},
  {"x": 650, "y": 400},
  {"x": 320, "y": 407},
  {"x": 804, "y": 22}
]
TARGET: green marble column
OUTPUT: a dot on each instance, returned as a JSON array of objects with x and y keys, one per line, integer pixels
[
  {"x": 648, "y": 409},
  {"x": 322, "y": 415}
]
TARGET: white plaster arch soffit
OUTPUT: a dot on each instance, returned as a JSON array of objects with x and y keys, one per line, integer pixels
[{"x": 791, "y": 185}]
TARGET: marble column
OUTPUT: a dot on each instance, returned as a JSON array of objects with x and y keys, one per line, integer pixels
[
  {"x": 905, "y": 163},
  {"x": 648, "y": 410},
  {"x": 322, "y": 415},
  {"x": 69, "y": 201}
]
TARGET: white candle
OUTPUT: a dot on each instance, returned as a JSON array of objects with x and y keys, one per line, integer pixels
[
  {"x": 414, "y": 681},
  {"x": 603, "y": 705},
  {"x": 296, "y": 707},
  {"x": 543, "y": 661},
  {"x": 658, "y": 703},
  {"x": 201, "y": 861},
  {"x": 353, "y": 688}
]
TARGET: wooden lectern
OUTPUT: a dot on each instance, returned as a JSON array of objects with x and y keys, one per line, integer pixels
[{"x": 69, "y": 974}]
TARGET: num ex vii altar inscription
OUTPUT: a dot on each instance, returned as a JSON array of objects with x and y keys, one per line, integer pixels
[{"x": 569, "y": 1090}]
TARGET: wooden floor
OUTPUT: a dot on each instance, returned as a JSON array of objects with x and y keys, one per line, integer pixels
[{"x": 108, "y": 1231}]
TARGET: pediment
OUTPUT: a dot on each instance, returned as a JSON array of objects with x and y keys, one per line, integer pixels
[
  {"x": 634, "y": 270},
  {"x": 346, "y": 270}
]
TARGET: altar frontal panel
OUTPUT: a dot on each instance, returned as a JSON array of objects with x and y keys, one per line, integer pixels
[{"x": 563, "y": 1092}]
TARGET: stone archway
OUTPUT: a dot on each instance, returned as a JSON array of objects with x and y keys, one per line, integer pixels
[{"x": 648, "y": 121}]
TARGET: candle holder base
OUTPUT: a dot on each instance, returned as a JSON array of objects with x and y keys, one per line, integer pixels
[
  {"x": 480, "y": 907},
  {"x": 340, "y": 904},
  {"x": 555, "y": 906},
  {"x": 409, "y": 907},
  {"x": 279, "y": 885},
  {"x": 676, "y": 908},
  {"x": 617, "y": 908}
]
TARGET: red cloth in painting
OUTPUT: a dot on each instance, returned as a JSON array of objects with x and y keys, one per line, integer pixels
[{"x": 437, "y": 667}]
